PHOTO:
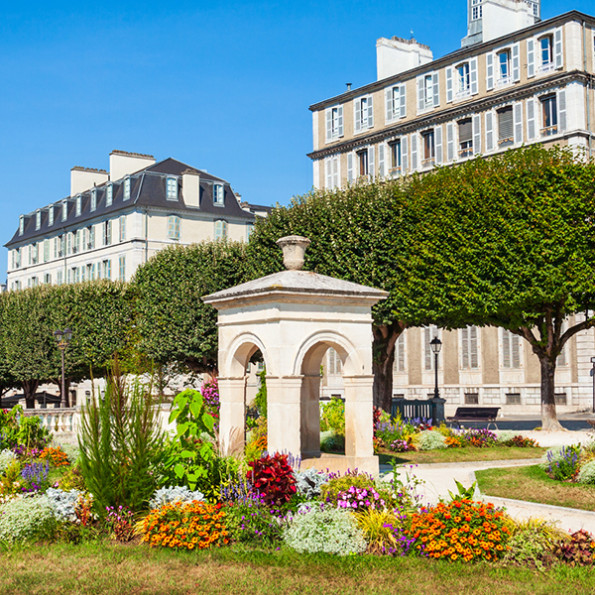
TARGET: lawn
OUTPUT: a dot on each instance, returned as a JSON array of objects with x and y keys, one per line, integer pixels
[
  {"x": 533, "y": 484},
  {"x": 111, "y": 569},
  {"x": 466, "y": 453}
]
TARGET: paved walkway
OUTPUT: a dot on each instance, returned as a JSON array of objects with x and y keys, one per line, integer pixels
[{"x": 439, "y": 479}]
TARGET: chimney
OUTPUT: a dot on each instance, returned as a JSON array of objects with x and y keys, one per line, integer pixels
[
  {"x": 122, "y": 163},
  {"x": 397, "y": 55},
  {"x": 191, "y": 188},
  {"x": 84, "y": 178}
]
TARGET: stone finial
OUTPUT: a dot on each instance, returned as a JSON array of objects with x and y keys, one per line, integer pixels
[{"x": 293, "y": 248}]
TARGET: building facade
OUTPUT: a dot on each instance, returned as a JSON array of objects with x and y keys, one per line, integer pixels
[
  {"x": 113, "y": 222},
  {"x": 515, "y": 81}
]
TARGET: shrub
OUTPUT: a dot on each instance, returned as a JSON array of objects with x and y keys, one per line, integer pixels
[
  {"x": 257, "y": 442},
  {"x": 272, "y": 477},
  {"x": 389, "y": 431},
  {"x": 505, "y": 435},
  {"x": 18, "y": 429},
  {"x": 6, "y": 458},
  {"x": 356, "y": 499},
  {"x": 586, "y": 473},
  {"x": 185, "y": 526},
  {"x": 521, "y": 442},
  {"x": 72, "y": 480},
  {"x": 532, "y": 543},
  {"x": 174, "y": 494},
  {"x": 333, "y": 416},
  {"x": 35, "y": 476},
  {"x": 251, "y": 521},
  {"x": 23, "y": 519},
  {"x": 323, "y": 529},
  {"x": 338, "y": 483},
  {"x": 461, "y": 529},
  {"x": 579, "y": 550},
  {"x": 561, "y": 463},
  {"x": 479, "y": 437},
  {"x": 309, "y": 483},
  {"x": 400, "y": 446},
  {"x": 383, "y": 532},
  {"x": 11, "y": 482},
  {"x": 332, "y": 442},
  {"x": 429, "y": 440},
  {"x": 63, "y": 503},
  {"x": 56, "y": 456}
]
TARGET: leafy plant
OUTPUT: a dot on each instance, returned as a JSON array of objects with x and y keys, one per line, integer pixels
[
  {"x": 586, "y": 473},
  {"x": 260, "y": 400},
  {"x": 64, "y": 503},
  {"x": 383, "y": 531},
  {"x": 479, "y": 437},
  {"x": 170, "y": 494},
  {"x": 561, "y": 463},
  {"x": 18, "y": 429},
  {"x": 429, "y": 440},
  {"x": 463, "y": 493},
  {"x": 333, "y": 416},
  {"x": 532, "y": 543},
  {"x": 35, "y": 476},
  {"x": 7, "y": 456},
  {"x": 24, "y": 519},
  {"x": 579, "y": 550},
  {"x": 272, "y": 477},
  {"x": 250, "y": 520},
  {"x": 521, "y": 442},
  {"x": 309, "y": 482},
  {"x": 119, "y": 523}
]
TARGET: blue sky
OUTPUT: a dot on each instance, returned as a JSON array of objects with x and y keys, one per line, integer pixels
[{"x": 223, "y": 86}]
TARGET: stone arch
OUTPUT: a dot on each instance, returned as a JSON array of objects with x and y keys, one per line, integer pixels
[{"x": 239, "y": 353}]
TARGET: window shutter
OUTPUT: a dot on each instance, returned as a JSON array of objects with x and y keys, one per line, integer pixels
[
  {"x": 335, "y": 170},
  {"x": 371, "y": 168},
  {"x": 489, "y": 71},
  {"x": 450, "y": 141},
  {"x": 530, "y": 119},
  {"x": 515, "y": 351},
  {"x": 350, "y": 167},
  {"x": 561, "y": 110},
  {"x": 381, "y": 173},
  {"x": 465, "y": 348},
  {"x": 516, "y": 63},
  {"x": 506, "y": 340},
  {"x": 474, "y": 355},
  {"x": 340, "y": 120},
  {"x": 421, "y": 101},
  {"x": 436, "y": 90},
  {"x": 402, "y": 101},
  {"x": 518, "y": 123},
  {"x": 438, "y": 140},
  {"x": 358, "y": 114},
  {"x": 404, "y": 155},
  {"x": 473, "y": 74},
  {"x": 370, "y": 111},
  {"x": 476, "y": 134},
  {"x": 427, "y": 350},
  {"x": 329, "y": 124},
  {"x": 449, "y": 84},
  {"x": 328, "y": 176},
  {"x": 489, "y": 131},
  {"x": 388, "y": 97},
  {"x": 414, "y": 151},
  {"x": 558, "y": 57},
  {"x": 530, "y": 57}
]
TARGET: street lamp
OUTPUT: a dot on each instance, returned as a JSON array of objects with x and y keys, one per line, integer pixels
[
  {"x": 435, "y": 346},
  {"x": 63, "y": 338}
]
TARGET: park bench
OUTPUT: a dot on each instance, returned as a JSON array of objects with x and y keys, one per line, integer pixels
[{"x": 487, "y": 414}]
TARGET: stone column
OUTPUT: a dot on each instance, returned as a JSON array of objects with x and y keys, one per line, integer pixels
[
  {"x": 232, "y": 414},
  {"x": 359, "y": 416},
  {"x": 283, "y": 414},
  {"x": 310, "y": 415}
]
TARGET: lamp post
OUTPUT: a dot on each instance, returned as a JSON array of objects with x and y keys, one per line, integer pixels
[
  {"x": 435, "y": 346},
  {"x": 63, "y": 338}
]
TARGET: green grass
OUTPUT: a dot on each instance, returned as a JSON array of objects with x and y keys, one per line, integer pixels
[
  {"x": 110, "y": 569},
  {"x": 464, "y": 454},
  {"x": 533, "y": 485}
]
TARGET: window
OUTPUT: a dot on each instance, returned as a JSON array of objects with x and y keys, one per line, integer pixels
[
  {"x": 122, "y": 268},
  {"x": 171, "y": 189},
  {"x": 427, "y": 92},
  {"x": 46, "y": 250},
  {"x": 395, "y": 102},
  {"x": 505, "y": 126},
  {"x": 560, "y": 398},
  {"x": 429, "y": 147},
  {"x": 363, "y": 113},
  {"x": 220, "y": 229},
  {"x": 471, "y": 398},
  {"x": 109, "y": 195},
  {"x": 400, "y": 364},
  {"x": 90, "y": 272},
  {"x": 16, "y": 258},
  {"x": 16, "y": 285},
  {"x": 64, "y": 210},
  {"x": 78, "y": 236},
  {"x": 107, "y": 269},
  {"x": 126, "y": 188},
  {"x": 47, "y": 279},
  {"x": 503, "y": 66},
  {"x": 362, "y": 162},
  {"x": 465, "y": 137},
  {"x": 33, "y": 282},
  {"x": 21, "y": 225},
  {"x": 549, "y": 112},
  {"x": 78, "y": 201},
  {"x": 546, "y": 45},
  {"x": 107, "y": 233},
  {"x": 513, "y": 398},
  {"x": 51, "y": 215},
  {"x": 90, "y": 237},
  {"x": 33, "y": 253},
  {"x": 218, "y": 195},
  {"x": 396, "y": 157},
  {"x": 469, "y": 350},
  {"x": 333, "y": 362},
  {"x": 93, "y": 199},
  {"x": 37, "y": 219},
  {"x": 429, "y": 333},
  {"x": 173, "y": 227},
  {"x": 511, "y": 349},
  {"x": 69, "y": 243},
  {"x": 476, "y": 10},
  {"x": 249, "y": 230},
  {"x": 123, "y": 228},
  {"x": 59, "y": 277},
  {"x": 463, "y": 79},
  {"x": 76, "y": 275},
  {"x": 334, "y": 122},
  {"x": 331, "y": 165}
]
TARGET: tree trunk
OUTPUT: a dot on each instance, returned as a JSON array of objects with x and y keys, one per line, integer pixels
[
  {"x": 549, "y": 419},
  {"x": 383, "y": 349},
  {"x": 29, "y": 390}
]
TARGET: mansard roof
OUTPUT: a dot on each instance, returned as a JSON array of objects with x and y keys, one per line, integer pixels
[{"x": 147, "y": 191}]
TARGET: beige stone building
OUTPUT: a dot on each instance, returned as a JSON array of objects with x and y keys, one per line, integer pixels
[{"x": 515, "y": 81}]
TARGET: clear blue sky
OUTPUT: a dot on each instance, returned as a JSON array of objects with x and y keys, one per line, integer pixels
[{"x": 222, "y": 86}]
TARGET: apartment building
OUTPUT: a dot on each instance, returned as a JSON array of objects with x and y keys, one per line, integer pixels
[
  {"x": 114, "y": 221},
  {"x": 515, "y": 81}
]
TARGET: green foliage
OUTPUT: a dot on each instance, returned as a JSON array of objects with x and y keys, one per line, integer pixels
[
  {"x": 328, "y": 530},
  {"x": 561, "y": 462},
  {"x": 23, "y": 519},
  {"x": 586, "y": 473},
  {"x": 121, "y": 445},
  {"x": 7, "y": 457},
  {"x": 377, "y": 527},
  {"x": 330, "y": 442},
  {"x": 463, "y": 493},
  {"x": 429, "y": 440},
  {"x": 252, "y": 522},
  {"x": 309, "y": 483},
  {"x": 333, "y": 416},
  {"x": 260, "y": 400},
  {"x": 257, "y": 440}
]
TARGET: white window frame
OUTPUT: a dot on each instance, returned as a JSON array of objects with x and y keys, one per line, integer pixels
[
  {"x": 64, "y": 210},
  {"x": 122, "y": 267},
  {"x": 400, "y": 361},
  {"x": 429, "y": 332},
  {"x": 50, "y": 215},
  {"x": 173, "y": 227},
  {"x": 334, "y": 122},
  {"x": 78, "y": 206},
  {"x": 396, "y": 102},
  {"x": 126, "y": 190},
  {"x": 171, "y": 188},
  {"x": 511, "y": 350},
  {"x": 93, "y": 205},
  {"x": 37, "y": 219},
  {"x": 109, "y": 195},
  {"x": 469, "y": 339},
  {"x": 218, "y": 194},
  {"x": 220, "y": 229},
  {"x": 122, "y": 228},
  {"x": 363, "y": 113}
]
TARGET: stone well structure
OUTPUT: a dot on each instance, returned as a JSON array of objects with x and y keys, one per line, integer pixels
[{"x": 293, "y": 317}]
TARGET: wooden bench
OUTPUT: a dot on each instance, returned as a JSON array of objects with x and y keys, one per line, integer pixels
[{"x": 487, "y": 414}]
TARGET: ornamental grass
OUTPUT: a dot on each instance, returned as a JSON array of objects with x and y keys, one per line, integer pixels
[
  {"x": 461, "y": 530},
  {"x": 190, "y": 525}
]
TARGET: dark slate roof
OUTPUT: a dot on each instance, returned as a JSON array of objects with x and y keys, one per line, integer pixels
[{"x": 147, "y": 190}]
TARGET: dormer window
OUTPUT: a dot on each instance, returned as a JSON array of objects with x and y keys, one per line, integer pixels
[
  {"x": 51, "y": 215},
  {"x": 476, "y": 10},
  {"x": 64, "y": 210},
  {"x": 126, "y": 188},
  {"x": 21, "y": 225},
  {"x": 93, "y": 199},
  {"x": 171, "y": 189},
  {"x": 37, "y": 219},
  {"x": 109, "y": 194},
  {"x": 218, "y": 195},
  {"x": 78, "y": 205}
]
